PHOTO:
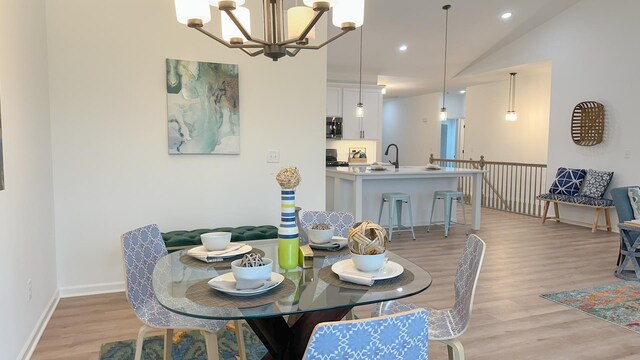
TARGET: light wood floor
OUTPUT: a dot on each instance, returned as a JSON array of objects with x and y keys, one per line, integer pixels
[{"x": 510, "y": 321}]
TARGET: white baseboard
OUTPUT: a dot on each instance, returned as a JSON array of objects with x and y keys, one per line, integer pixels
[
  {"x": 34, "y": 338},
  {"x": 94, "y": 289}
]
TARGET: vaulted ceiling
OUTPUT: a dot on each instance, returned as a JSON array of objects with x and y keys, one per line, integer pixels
[{"x": 475, "y": 29}]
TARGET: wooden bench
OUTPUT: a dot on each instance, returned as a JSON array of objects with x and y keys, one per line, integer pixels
[{"x": 598, "y": 204}]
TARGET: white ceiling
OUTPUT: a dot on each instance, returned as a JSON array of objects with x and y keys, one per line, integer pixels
[{"x": 475, "y": 29}]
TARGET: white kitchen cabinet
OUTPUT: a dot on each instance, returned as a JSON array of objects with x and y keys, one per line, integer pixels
[
  {"x": 367, "y": 128},
  {"x": 334, "y": 101}
]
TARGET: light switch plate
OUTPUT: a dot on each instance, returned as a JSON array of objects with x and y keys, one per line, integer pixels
[{"x": 273, "y": 156}]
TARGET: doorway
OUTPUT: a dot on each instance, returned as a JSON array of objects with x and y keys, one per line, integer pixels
[{"x": 450, "y": 139}]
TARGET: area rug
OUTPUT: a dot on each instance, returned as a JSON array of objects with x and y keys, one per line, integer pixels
[
  {"x": 617, "y": 303},
  {"x": 187, "y": 345}
]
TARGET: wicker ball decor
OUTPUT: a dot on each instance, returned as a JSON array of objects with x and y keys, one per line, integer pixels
[
  {"x": 587, "y": 123},
  {"x": 288, "y": 178},
  {"x": 367, "y": 238}
]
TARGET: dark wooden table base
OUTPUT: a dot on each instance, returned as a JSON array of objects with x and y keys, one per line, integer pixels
[{"x": 286, "y": 342}]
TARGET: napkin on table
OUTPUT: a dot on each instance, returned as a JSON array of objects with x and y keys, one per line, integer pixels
[
  {"x": 201, "y": 253},
  {"x": 242, "y": 284},
  {"x": 359, "y": 279}
]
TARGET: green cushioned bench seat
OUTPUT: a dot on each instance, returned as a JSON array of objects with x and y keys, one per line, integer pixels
[{"x": 180, "y": 239}]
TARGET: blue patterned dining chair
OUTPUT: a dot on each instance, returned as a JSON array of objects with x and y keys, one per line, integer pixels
[
  {"x": 398, "y": 336},
  {"x": 341, "y": 221},
  {"x": 448, "y": 324},
  {"x": 141, "y": 249}
]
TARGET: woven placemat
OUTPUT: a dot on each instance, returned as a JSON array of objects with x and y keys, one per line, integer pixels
[
  {"x": 200, "y": 293},
  {"x": 191, "y": 261},
  {"x": 324, "y": 253},
  {"x": 331, "y": 278}
]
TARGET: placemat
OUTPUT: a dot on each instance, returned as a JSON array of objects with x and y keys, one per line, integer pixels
[
  {"x": 191, "y": 261},
  {"x": 331, "y": 278},
  {"x": 324, "y": 253},
  {"x": 200, "y": 293}
]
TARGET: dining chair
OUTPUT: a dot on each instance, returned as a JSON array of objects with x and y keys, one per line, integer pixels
[
  {"x": 141, "y": 249},
  {"x": 341, "y": 221},
  {"x": 447, "y": 325},
  {"x": 397, "y": 336}
]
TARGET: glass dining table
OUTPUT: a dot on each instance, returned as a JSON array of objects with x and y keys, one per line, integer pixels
[{"x": 283, "y": 318}]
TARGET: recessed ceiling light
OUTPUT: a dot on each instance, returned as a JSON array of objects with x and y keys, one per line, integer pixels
[
  {"x": 403, "y": 48},
  {"x": 506, "y": 15},
  {"x": 463, "y": 91}
]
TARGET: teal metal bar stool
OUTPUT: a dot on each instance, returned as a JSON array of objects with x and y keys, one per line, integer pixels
[
  {"x": 448, "y": 197},
  {"x": 395, "y": 201}
]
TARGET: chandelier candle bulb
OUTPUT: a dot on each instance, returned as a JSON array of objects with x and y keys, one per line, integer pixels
[
  {"x": 348, "y": 13},
  {"x": 192, "y": 10},
  {"x": 230, "y": 31},
  {"x": 298, "y": 17}
]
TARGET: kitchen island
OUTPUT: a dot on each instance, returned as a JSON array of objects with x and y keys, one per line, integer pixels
[{"x": 359, "y": 190}]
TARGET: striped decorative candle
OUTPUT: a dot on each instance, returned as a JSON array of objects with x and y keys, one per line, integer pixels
[{"x": 288, "y": 237}]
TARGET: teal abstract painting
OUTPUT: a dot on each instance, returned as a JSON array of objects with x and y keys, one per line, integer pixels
[{"x": 202, "y": 108}]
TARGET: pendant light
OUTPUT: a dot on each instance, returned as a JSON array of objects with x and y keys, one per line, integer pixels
[
  {"x": 360, "y": 106},
  {"x": 511, "y": 112},
  {"x": 443, "y": 110}
]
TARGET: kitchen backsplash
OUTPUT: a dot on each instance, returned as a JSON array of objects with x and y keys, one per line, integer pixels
[{"x": 343, "y": 148}]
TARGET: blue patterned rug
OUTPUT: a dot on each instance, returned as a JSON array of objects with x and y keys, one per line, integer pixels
[
  {"x": 617, "y": 303},
  {"x": 188, "y": 345}
]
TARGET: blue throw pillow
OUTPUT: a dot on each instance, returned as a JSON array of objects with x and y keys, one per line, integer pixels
[
  {"x": 568, "y": 181},
  {"x": 595, "y": 183}
]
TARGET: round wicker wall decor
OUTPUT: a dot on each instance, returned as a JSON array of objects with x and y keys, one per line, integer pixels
[{"x": 587, "y": 123}]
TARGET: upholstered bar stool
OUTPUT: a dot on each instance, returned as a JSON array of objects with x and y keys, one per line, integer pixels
[
  {"x": 395, "y": 201},
  {"x": 448, "y": 197}
]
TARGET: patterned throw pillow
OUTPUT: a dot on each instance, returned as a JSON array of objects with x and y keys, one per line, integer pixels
[
  {"x": 634, "y": 199},
  {"x": 595, "y": 183},
  {"x": 568, "y": 181}
]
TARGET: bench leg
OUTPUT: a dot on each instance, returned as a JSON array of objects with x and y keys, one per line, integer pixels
[
  {"x": 546, "y": 209},
  {"x": 594, "y": 228},
  {"x": 556, "y": 209},
  {"x": 608, "y": 219}
]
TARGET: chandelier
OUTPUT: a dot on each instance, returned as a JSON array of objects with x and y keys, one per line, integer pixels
[{"x": 299, "y": 20}]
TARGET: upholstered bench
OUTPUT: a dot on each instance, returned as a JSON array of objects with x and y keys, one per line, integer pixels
[
  {"x": 181, "y": 239},
  {"x": 580, "y": 187}
]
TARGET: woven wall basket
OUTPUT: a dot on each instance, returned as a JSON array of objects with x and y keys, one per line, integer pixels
[{"x": 587, "y": 123}]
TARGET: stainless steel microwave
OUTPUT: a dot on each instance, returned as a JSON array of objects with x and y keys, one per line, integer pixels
[{"x": 334, "y": 127}]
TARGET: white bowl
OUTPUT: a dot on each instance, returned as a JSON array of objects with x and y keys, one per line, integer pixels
[
  {"x": 252, "y": 273},
  {"x": 215, "y": 240},
  {"x": 368, "y": 263},
  {"x": 320, "y": 236}
]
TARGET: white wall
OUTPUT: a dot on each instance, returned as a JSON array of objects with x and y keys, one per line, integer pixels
[
  {"x": 108, "y": 112},
  {"x": 487, "y": 133},
  {"x": 26, "y": 205},
  {"x": 403, "y": 123},
  {"x": 594, "y": 49}
]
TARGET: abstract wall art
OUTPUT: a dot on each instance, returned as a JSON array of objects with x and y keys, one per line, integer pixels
[{"x": 202, "y": 108}]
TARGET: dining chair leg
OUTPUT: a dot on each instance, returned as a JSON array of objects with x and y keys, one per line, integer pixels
[
  {"x": 455, "y": 349},
  {"x": 144, "y": 329},
  {"x": 211, "y": 342},
  {"x": 168, "y": 341},
  {"x": 242, "y": 351}
]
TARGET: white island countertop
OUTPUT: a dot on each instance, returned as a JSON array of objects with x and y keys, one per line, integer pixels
[{"x": 358, "y": 189}]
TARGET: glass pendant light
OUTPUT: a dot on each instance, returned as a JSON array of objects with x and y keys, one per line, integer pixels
[
  {"x": 360, "y": 106},
  {"x": 443, "y": 109},
  {"x": 511, "y": 112},
  {"x": 348, "y": 13},
  {"x": 192, "y": 9},
  {"x": 230, "y": 31}
]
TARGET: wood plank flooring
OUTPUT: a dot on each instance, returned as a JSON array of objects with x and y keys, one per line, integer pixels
[{"x": 510, "y": 321}]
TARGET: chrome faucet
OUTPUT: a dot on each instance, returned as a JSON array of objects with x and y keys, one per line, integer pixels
[{"x": 386, "y": 153}]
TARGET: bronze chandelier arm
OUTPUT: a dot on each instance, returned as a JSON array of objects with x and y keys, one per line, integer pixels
[
  {"x": 293, "y": 53},
  {"x": 306, "y": 31},
  {"x": 317, "y": 47},
  {"x": 231, "y": 46},
  {"x": 242, "y": 29},
  {"x": 252, "y": 54}
]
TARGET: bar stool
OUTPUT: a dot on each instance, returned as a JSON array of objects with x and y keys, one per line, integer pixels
[
  {"x": 395, "y": 201},
  {"x": 448, "y": 197}
]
